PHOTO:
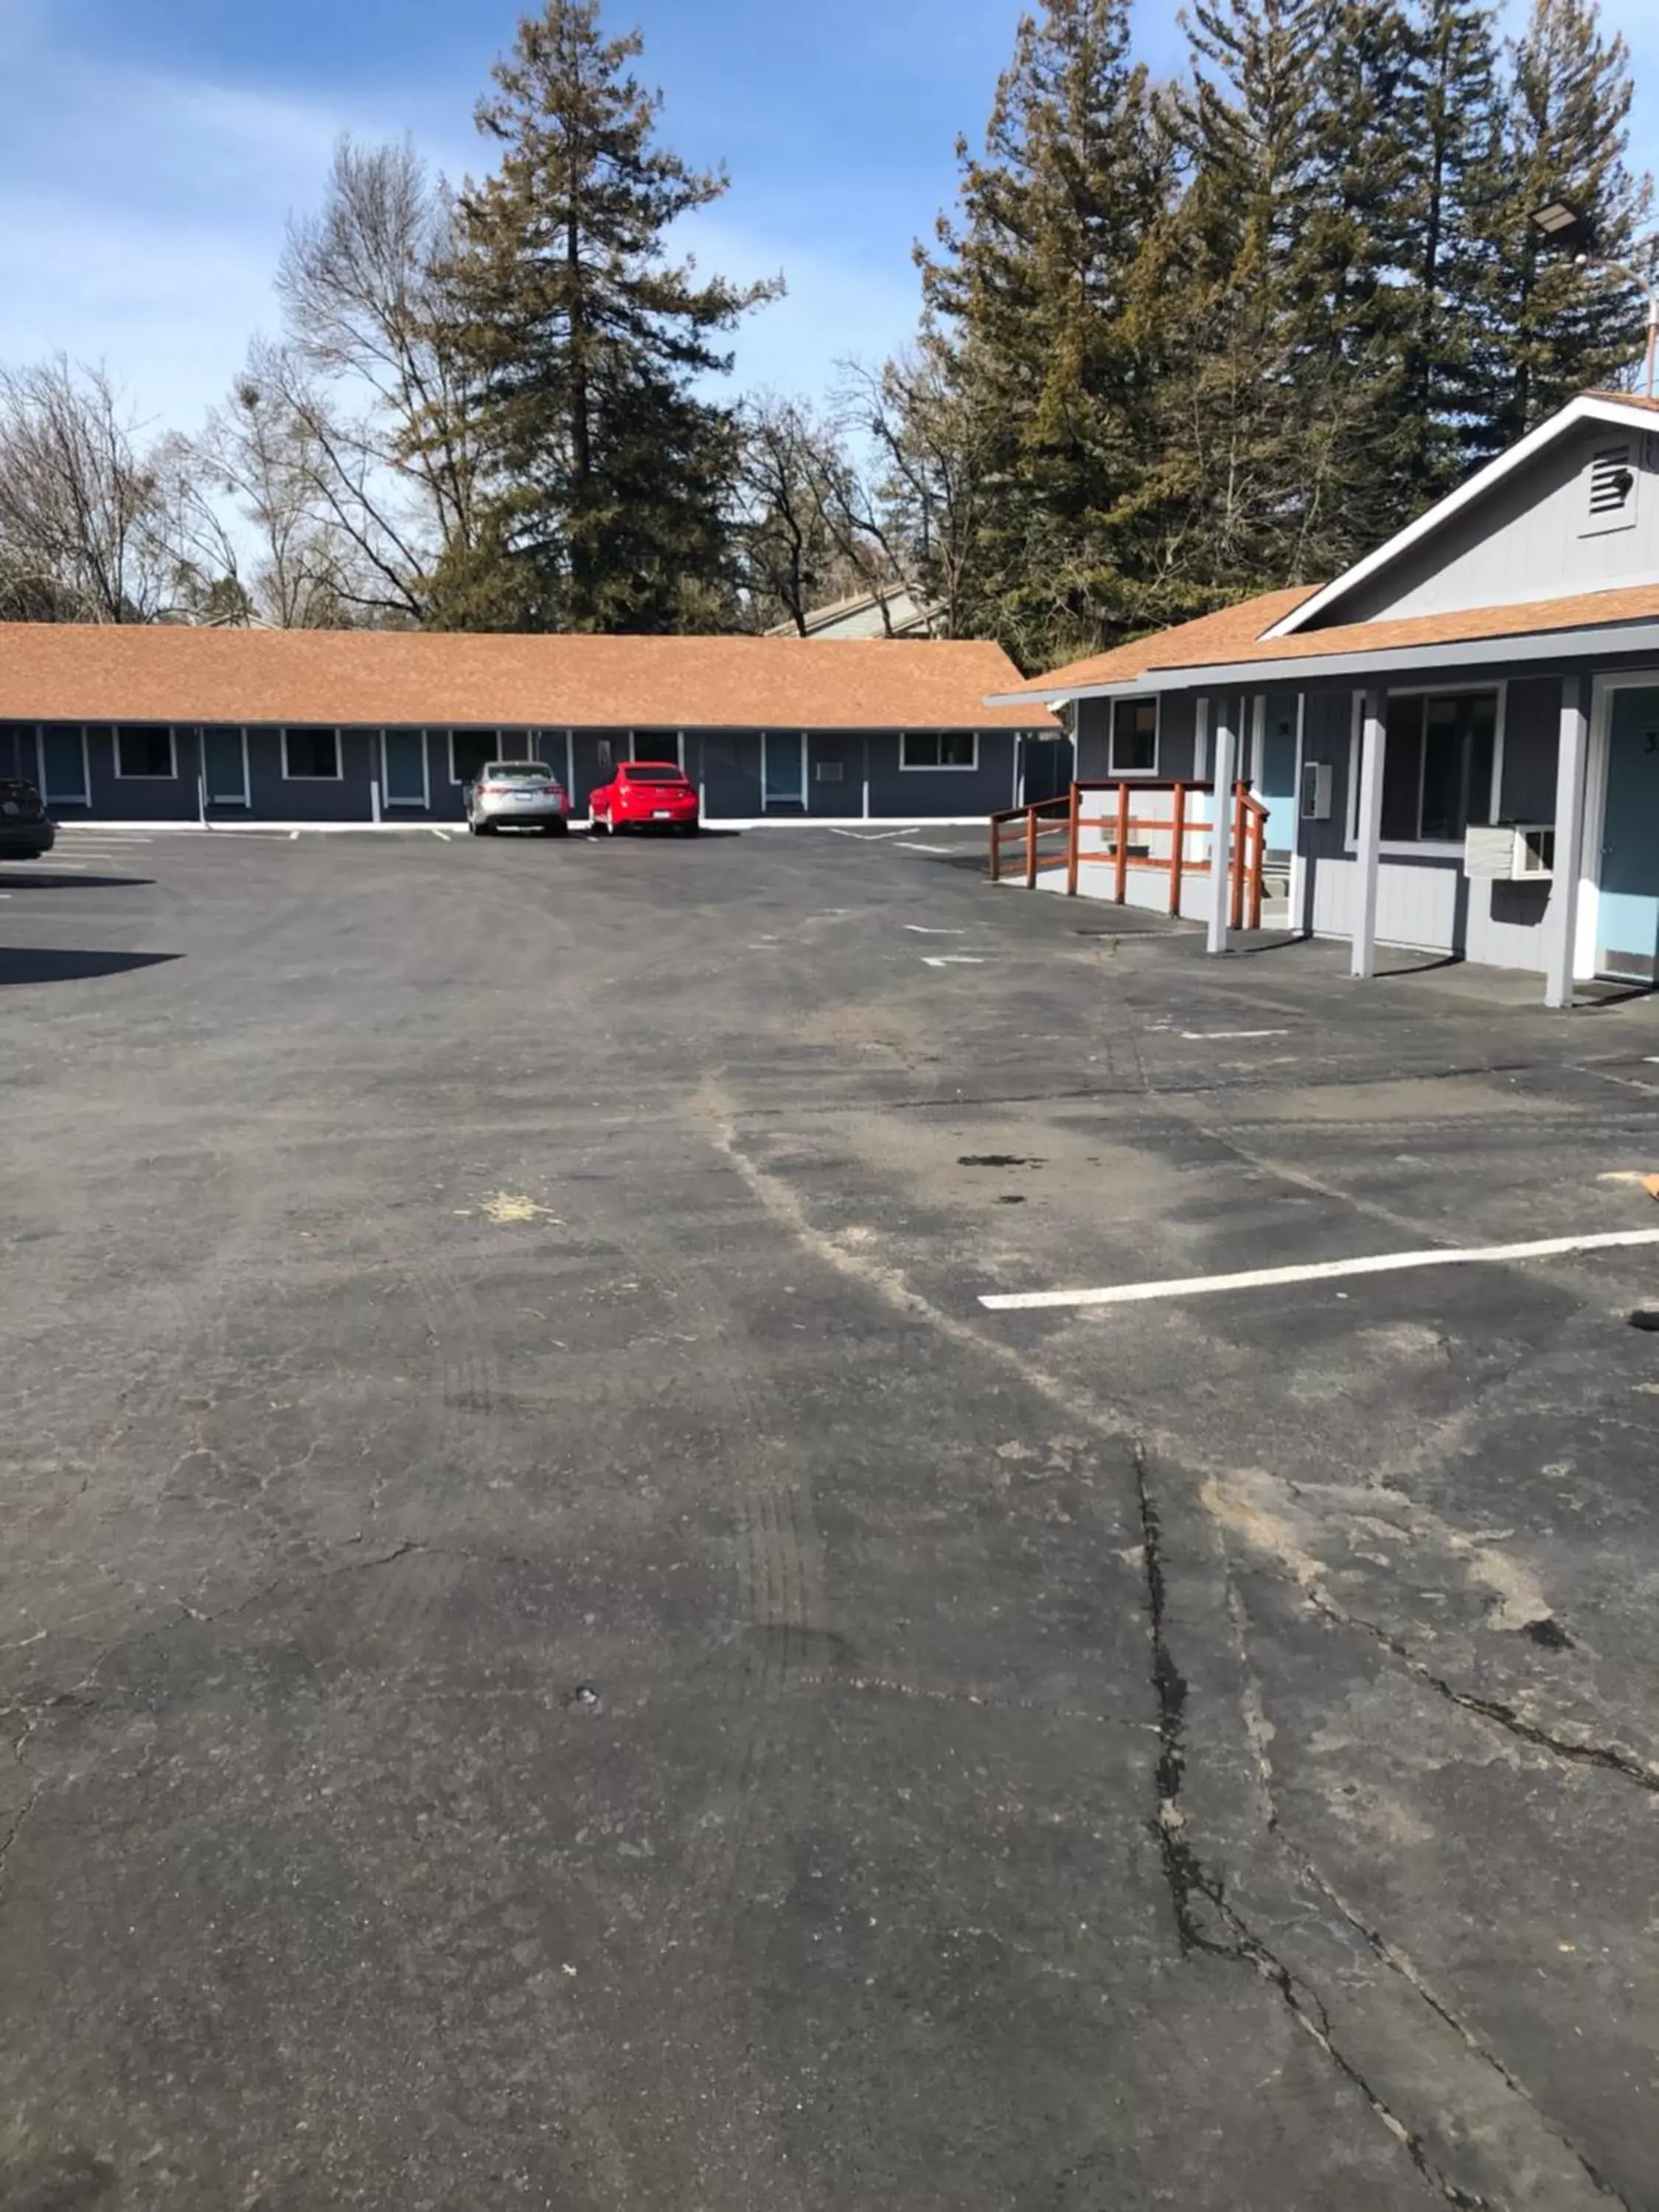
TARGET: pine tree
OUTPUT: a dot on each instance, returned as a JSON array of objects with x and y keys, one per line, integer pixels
[
  {"x": 608, "y": 469},
  {"x": 1235, "y": 272},
  {"x": 1351, "y": 301},
  {"x": 1027, "y": 317},
  {"x": 1450, "y": 120},
  {"x": 1554, "y": 327}
]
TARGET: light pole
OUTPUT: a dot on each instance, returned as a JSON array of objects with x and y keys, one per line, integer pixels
[{"x": 1568, "y": 226}]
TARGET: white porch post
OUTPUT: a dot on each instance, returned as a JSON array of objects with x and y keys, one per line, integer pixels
[
  {"x": 1224, "y": 738},
  {"x": 1299, "y": 921},
  {"x": 1373, "y": 742},
  {"x": 1571, "y": 761}
]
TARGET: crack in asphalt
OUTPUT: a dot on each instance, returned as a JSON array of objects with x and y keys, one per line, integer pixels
[
  {"x": 192, "y": 1616},
  {"x": 33, "y": 1798},
  {"x": 1184, "y": 1876},
  {"x": 1388, "y": 1954},
  {"x": 1188, "y": 1879},
  {"x": 1608, "y": 1757}
]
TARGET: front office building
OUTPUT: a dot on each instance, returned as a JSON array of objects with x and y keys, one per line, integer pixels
[
  {"x": 1458, "y": 740},
  {"x": 168, "y": 723}
]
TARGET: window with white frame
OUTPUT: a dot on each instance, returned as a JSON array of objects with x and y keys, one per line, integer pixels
[
  {"x": 1134, "y": 737},
  {"x": 1438, "y": 767},
  {"x": 142, "y": 752},
  {"x": 311, "y": 756},
  {"x": 469, "y": 750},
  {"x": 938, "y": 749}
]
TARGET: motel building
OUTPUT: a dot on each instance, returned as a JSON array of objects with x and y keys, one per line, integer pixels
[
  {"x": 167, "y": 723},
  {"x": 1454, "y": 746}
]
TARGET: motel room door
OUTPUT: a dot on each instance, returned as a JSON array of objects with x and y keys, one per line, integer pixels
[
  {"x": 224, "y": 767},
  {"x": 783, "y": 770},
  {"x": 1627, "y": 912}
]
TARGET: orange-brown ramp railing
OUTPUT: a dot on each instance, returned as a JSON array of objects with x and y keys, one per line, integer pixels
[{"x": 1133, "y": 821}]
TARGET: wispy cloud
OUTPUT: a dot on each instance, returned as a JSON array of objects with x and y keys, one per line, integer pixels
[
  {"x": 141, "y": 210},
  {"x": 141, "y": 214}
]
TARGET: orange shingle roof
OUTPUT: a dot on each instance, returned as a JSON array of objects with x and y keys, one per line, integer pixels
[
  {"x": 1212, "y": 643},
  {"x": 1210, "y": 637},
  {"x": 73, "y": 673},
  {"x": 1461, "y": 626}
]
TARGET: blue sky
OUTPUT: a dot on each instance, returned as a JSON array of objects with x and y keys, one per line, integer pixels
[{"x": 150, "y": 151}]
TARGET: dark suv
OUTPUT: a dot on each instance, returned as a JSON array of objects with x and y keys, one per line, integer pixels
[{"x": 27, "y": 829}]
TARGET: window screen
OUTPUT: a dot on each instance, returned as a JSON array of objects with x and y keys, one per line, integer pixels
[
  {"x": 1134, "y": 737},
  {"x": 146, "y": 752}
]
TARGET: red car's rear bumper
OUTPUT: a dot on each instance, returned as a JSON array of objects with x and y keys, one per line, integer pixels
[{"x": 671, "y": 814}]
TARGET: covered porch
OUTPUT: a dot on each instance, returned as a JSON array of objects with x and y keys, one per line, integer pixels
[{"x": 1501, "y": 810}]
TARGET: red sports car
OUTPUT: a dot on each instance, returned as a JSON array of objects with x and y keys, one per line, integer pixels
[{"x": 645, "y": 794}]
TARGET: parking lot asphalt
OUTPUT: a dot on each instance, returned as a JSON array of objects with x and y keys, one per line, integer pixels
[{"x": 558, "y": 1653}]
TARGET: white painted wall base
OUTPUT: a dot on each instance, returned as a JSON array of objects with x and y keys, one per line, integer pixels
[{"x": 1417, "y": 907}]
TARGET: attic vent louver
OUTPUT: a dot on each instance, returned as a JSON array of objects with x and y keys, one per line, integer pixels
[{"x": 1611, "y": 504}]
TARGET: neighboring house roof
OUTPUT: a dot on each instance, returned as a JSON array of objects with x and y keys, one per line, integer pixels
[
  {"x": 1220, "y": 655},
  {"x": 904, "y": 612},
  {"x": 74, "y": 672},
  {"x": 1613, "y": 407}
]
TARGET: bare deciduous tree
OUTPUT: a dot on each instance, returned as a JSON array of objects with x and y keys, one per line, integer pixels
[
  {"x": 928, "y": 474},
  {"x": 302, "y": 573},
  {"x": 84, "y": 513},
  {"x": 814, "y": 526},
  {"x": 370, "y": 365},
  {"x": 787, "y": 551}
]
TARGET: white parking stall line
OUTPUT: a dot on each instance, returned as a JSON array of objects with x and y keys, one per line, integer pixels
[
  {"x": 917, "y": 929},
  {"x": 436, "y": 832},
  {"x": 913, "y": 848},
  {"x": 1218, "y": 1037},
  {"x": 952, "y": 960},
  {"x": 1320, "y": 1271}
]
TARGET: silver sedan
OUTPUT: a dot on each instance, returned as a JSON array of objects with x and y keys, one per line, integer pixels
[{"x": 522, "y": 794}]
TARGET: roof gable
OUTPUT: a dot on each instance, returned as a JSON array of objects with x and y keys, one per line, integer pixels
[{"x": 1618, "y": 410}]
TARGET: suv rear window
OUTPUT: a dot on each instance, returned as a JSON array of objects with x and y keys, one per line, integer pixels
[{"x": 531, "y": 771}]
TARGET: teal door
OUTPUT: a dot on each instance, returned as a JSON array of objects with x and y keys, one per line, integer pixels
[
  {"x": 405, "y": 768},
  {"x": 783, "y": 780},
  {"x": 224, "y": 765},
  {"x": 1627, "y": 915},
  {"x": 1277, "y": 787},
  {"x": 63, "y": 768}
]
